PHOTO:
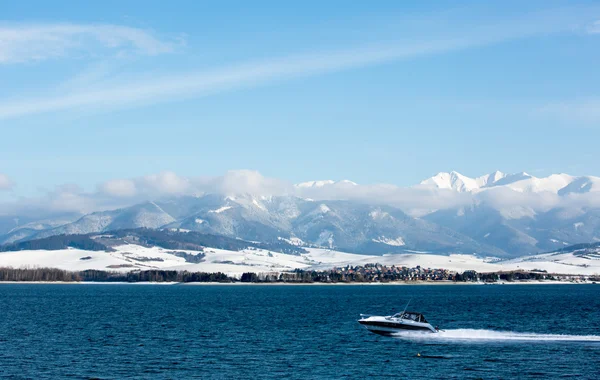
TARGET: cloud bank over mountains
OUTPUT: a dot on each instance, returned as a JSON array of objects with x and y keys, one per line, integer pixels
[
  {"x": 512, "y": 194},
  {"x": 497, "y": 214}
]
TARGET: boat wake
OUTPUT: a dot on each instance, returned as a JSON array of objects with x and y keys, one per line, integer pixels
[{"x": 472, "y": 335}]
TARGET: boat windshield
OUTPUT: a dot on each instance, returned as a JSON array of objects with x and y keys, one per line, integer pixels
[{"x": 417, "y": 317}]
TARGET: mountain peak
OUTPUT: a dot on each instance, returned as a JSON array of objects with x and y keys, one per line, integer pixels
[
  {"x": 496, "y": 175},
  {"x": 453, "y": 181},
  {"x": 319, "y": 184},
  {"x": 313, "y": 184},
  {"x": 490, "y": 179}
]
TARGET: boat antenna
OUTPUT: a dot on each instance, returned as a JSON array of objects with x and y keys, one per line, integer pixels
[{"x": 405, "y": 307}]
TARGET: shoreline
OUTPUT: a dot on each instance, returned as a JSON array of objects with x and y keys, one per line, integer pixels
[{"x": 394, "y": 283}]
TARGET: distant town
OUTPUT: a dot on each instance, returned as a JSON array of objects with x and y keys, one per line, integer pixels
[{"x": 387, "y": 274}]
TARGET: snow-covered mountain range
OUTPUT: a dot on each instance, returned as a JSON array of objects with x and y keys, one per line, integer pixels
[
  {"x": 561, "y": 184},
  {"x": 503, "y": 215},
  {"x": 344, "y": 225}
]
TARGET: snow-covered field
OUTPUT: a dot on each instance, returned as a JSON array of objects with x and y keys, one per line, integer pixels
[{"x": 135, "y": 257}]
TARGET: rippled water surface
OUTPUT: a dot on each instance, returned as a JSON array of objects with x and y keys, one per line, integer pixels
[{"x": 144, "y": 331}]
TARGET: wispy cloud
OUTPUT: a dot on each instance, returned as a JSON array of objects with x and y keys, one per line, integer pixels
[
  {"x": 169, "y": 87},
  {"x": 38, "y": 42},
  {"x": 585, "y": 112},
  {"x": 118, "y": 188},
  {"x": 5, "y": 182},
  {"x": 170, "y": 184},
  {"x": 594, "y": 28},
  {"x": 206, "y": 82}
]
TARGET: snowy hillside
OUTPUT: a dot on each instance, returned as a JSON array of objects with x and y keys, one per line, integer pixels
[
  {"x": 147, "y": 214},
  {"x": 134, "y": 257}
]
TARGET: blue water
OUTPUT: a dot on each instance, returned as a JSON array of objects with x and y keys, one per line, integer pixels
[{"x": 141, "y": 331}]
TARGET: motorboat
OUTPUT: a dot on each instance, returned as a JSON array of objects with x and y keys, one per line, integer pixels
[{"x": 391, "y": 324}]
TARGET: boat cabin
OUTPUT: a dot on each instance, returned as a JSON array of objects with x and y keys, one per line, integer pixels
[{"x": 411, "y": 316}]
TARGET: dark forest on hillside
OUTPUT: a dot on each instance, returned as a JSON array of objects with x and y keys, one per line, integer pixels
[{"x": 168, "y": 239}]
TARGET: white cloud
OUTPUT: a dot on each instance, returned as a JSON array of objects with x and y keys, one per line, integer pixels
[
  {"x": 594, "y": 28},
  {"x": 416, "y": 200},
  {"x": 173, "y": 87},
  {"x": 582, "y": 112},
  {"x": 39, "y": 42},
  {"x": 506, "y": 198},
  {"x": 69, "y": 198},
  {"x": 244, "y": 181},
  {"x": 5, "y": 182},
  {"x": 119, "y": 188},
  {"x": 234, "y": 182},
  {"x": 146, "y": 187},
  {"x": 62, "y": 199},
  {"x": 165, "y": 183}
]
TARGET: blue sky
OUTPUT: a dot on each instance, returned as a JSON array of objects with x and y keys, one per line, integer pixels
[{"x": 376, "y": 92}]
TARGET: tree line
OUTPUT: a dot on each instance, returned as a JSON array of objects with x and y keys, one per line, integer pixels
[
  {"x": 59, "y": 275},
  {"x": 297, "y": 276}
]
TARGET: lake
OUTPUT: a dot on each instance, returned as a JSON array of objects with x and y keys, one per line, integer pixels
[{"x": 224, "y": 331}]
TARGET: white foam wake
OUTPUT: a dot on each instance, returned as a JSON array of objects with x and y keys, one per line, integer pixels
[{"x": 492, "y": 335}]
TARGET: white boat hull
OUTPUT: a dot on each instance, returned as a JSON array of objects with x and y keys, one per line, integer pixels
[{"x": 389, "y": 325}]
